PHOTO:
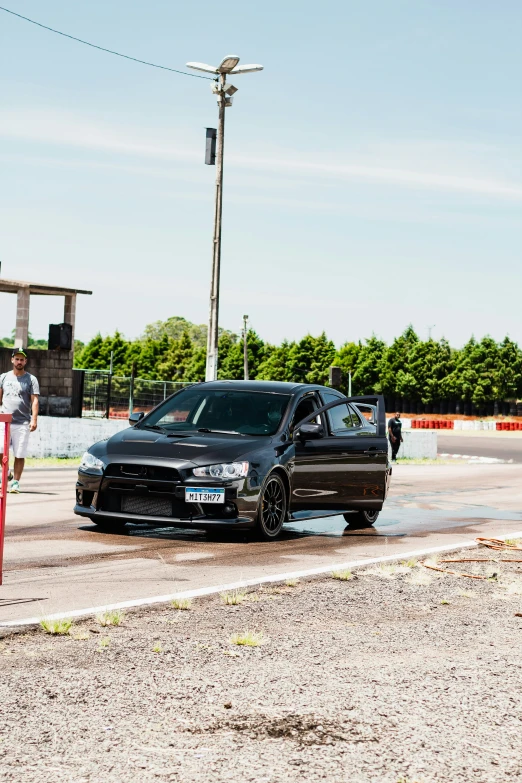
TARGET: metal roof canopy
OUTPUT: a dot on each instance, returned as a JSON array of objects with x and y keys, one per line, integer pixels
[
  {"x": 24, "y": 291},
  {"x": 13, "y": 286}
]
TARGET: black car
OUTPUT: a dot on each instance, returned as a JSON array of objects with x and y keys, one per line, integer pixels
[{"x": 241, "y": 454}]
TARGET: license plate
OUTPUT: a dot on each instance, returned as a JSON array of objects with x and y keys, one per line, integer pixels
[{"x": 204, "y": 495}]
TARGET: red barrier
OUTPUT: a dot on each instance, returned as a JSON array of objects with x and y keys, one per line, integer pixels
[{"x": 5, "y": 418}]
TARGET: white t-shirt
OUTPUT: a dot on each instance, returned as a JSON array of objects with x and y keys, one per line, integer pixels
[{"x": 17, "y": 391}]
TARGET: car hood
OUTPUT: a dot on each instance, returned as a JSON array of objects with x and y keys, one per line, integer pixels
[{"x": 197, "y": 449}]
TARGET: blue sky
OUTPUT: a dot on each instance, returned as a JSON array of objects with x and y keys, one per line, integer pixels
[{"x": 373, "y": 171}]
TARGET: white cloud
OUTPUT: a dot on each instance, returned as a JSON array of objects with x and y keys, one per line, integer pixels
[{"x": 65, "y": 130}]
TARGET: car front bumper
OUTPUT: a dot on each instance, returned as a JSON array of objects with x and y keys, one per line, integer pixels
[{"x": 162, "y": 502}]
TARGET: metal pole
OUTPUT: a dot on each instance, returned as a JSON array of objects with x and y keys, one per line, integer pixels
[
  {"x": 109, "y": 384},
  {"x": 131, "y": 388},
  {"x": 213, "y": 334},
  {"x": 245, "y": 346},
  {"x": 349, "y": 384},
  {"x": 6, "y": 418}
]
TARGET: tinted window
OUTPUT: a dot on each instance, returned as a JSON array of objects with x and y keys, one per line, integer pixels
[
  {"x": 304, "y": 408},
  {"x": 198, "y": 408},
  {"x": 342, "y": 418}
]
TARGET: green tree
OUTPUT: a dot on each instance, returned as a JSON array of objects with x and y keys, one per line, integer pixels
[
  {"x": 346, "y": 358},
  {"x": 309, "y": 359},
  {"x": 232, "y": 365},
  {"x": 276, "y": 363},
  {"x": 196, "y": 369},
  {"x": 367, "y": 376},
  {"x": 508, "y": 372},
  {"x": 177, "y": 359},
  {"x": 175, "y": 327},
  {"x": 396, "y": 360}
]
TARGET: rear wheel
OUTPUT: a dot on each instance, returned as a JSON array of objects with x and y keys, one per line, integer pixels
[
  {"x": 361, "y": 519},
  {"x": 110, "y": 525},
  {"x": 272, "y": 508}
]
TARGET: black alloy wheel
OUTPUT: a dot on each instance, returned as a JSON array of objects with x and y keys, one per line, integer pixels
[
  {"x": 272, "y": 508},
  {"x": 361, "y": 519}
]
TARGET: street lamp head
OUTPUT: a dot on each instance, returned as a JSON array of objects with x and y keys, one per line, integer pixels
[
  {"x": 247, "y": 69},
  {"x": 203, "y": 67},
  {"x": 228, "y": 63}
]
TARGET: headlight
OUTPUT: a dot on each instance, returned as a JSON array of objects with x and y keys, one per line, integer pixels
[
  {"x": 229, "y": 470},
  {"x": 92, "y": 463}
]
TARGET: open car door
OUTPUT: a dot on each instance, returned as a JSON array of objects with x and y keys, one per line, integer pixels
[{"x": 341, "y": 463}]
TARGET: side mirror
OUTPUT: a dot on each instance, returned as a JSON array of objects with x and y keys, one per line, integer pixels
[
  {"x": 309, "y": 432},
  {"x": 135, "y": 417}
]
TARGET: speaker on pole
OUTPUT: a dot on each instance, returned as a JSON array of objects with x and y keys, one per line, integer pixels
[{"x": 60, "y": 337}]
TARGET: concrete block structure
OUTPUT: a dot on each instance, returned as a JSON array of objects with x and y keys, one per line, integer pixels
[{"x": 52, "y": 368}]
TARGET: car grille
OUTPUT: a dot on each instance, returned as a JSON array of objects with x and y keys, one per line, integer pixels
[
  {"x": 151, "y": 472},
  {"x": 146, "y": 506}
]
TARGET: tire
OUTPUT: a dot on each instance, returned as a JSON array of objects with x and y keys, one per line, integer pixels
[
  {"x": 361, "y": 519},
  {"x": 272, "y": 509},
  {"x": 110, "y": 525}
]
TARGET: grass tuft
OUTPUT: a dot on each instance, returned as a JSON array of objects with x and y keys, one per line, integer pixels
[
  {"x": 248, "y": 638},
  {"x": 444, "y": 602},
  {"x": 411, "y": 563},
  {"x": 56, "y": 627},
  {"x": 157, "y": 648},
  {"x": 234, "y": 597},
  {"x": 342, "y": 576},
  {"x": 183, "y": 604},
  {"x": 419, "y": 579},
  {"x": 292, "y": 582},
  {"x": 513, "y": 541},
  {"x": 110, "y": 617},
  {"x": 80, "y": 636},
  {"x": 104, "y": 642}
]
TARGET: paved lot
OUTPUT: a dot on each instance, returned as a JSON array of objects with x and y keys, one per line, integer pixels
[
  {"x": 55, "y": 561},
  {"x": 501, "y": 445}
]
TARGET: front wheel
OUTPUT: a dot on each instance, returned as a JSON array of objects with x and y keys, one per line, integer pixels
[
  {"x": 271, "y": 512},
  {"x": 361, "y": 519}
]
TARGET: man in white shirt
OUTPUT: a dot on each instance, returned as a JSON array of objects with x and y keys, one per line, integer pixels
[{"x": 19, "y": 391}]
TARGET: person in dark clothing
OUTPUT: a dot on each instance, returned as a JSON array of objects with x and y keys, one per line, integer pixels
[{"x": 395, "y": 435}]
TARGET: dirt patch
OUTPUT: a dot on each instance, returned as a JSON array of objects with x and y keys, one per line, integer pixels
[
  {"x": 407, "y": 675},
  {"x": 303, "y": 729}
]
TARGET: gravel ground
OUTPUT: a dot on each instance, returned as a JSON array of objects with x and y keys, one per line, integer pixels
[{"x": 405, "y": 676}]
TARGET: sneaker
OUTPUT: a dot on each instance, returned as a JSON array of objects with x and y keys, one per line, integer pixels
[
  {"x": 15, "y": 487},
  {"x": 9, "y": 477}
]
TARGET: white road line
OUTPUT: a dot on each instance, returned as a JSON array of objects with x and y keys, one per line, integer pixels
[{"x": 202, "y": 591}]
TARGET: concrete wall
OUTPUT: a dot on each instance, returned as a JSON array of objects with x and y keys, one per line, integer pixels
[
  {"x": 418, "y": 444},
  {"x": 53, "y": 369},
  {"x": 64, "y": 437}
]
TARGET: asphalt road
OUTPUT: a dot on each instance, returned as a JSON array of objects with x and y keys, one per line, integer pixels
[
  {"x": 55, "y": 561},
  {"x": 500, "y": 445}
]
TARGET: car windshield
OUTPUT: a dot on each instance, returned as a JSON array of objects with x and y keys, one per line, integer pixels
[{"x": 198, "y": 409}]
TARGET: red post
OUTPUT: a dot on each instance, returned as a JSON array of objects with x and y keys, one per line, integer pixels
[{"x": 5, "y": 418}]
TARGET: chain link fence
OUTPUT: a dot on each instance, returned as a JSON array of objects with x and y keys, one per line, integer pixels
[{"x": 102, "y": 395}]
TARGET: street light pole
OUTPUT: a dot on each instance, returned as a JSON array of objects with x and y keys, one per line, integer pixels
[
  {"x": 213, "y": 331},
  {"x": 223, "y": 92},
  {"x": 245, "y": 346}
]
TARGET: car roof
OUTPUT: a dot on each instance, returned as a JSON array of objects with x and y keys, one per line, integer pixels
[{"x": 276, "y": 387}]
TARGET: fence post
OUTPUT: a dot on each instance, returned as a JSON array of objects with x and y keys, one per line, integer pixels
[
  {"x": 131, "y": 388},
  {"x": 109, "y": 384},
  {"x": 6, "y": 419}
]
